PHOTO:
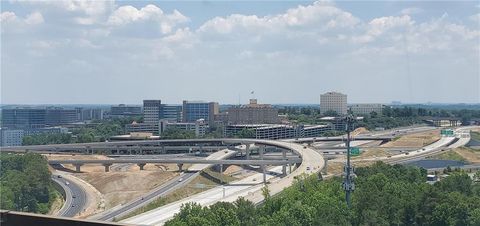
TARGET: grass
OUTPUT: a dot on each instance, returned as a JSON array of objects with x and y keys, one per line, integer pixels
[
  {"x": 189, "y": 189},
  {"x": 475, "y": 136},
  {"x": 449, "y": 155},
  {"x": 218, "y": 177}
]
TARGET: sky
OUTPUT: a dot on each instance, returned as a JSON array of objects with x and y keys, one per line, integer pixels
[{"x": 285, "y": 52}]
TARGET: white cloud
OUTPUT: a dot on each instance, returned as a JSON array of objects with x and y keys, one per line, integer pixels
[
  {"x": 125, "y": 15},
  {"x": 382, "y": 25},
  {"x": 411, "y": 11},
  {"x": 475, "y": 18},
  {"x": 319, "y": 15},
  {"x": 34, "y": 18},
  {"x": 7, "y": 16}
]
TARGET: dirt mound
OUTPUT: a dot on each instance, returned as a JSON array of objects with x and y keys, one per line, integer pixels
[{"x": 359, "y": 131}]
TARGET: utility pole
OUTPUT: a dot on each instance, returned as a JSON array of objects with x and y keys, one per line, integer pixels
[{"x": 348, "y": 184}]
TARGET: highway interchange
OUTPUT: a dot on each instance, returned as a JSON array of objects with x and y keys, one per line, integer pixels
[{"x": 250, "y": 187}]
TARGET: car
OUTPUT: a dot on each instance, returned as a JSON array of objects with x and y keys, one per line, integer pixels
[
  {"x": 407, "y": 153},
  {"x": 308, "y": 167},
  {"x": 226, "y": 151},
  {"x": 67, "y": 183},
  {"x": 180, "y": 180},
  {"x": 73, "y": 205},
  {"x": 59, "y": 176},
  {"x": 73, "y": 196}
]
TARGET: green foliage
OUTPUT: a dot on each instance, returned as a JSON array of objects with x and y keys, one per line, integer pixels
[
  {"x": 46, "y": 138},
  {"x": 25, "y": 183},
  {"x": 100, "y": 131},
  {"x": 245, "y": 133},
  {"x": 174, "y": 133},
  {"x": 385, "y": 195}
]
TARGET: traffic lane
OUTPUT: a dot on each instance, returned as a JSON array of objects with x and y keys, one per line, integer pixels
[
  {"x": 148, "y": 198},
  {"x": 79, "y": 198}
]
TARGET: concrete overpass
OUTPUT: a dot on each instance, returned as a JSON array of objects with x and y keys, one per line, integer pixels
[
  {"x": 142, "y": 162},
  {"x": 340, "y": 138}
]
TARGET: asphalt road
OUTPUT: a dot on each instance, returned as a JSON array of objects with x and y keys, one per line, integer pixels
[
  {"x": 76, "y": 198},
  {"x": 139, "y": 202}
]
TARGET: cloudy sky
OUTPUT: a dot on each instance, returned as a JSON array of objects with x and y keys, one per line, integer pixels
[{"x": 107, "y": 52}]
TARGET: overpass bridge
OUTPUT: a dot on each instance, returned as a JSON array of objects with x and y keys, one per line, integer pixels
[
  {"x": 142, "y": 162},
  {"x": 340, "y": 138}
]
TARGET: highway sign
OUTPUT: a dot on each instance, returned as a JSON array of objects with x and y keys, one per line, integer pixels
[{"x": 354, "y": 151}]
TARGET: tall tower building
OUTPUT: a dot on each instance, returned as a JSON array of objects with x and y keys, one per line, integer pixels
[
  {"x": 151, "y": 111},
  {"x": 333, "y": 101}
]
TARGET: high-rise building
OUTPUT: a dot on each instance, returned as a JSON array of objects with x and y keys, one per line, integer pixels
[
  {"x": 195, "y": 110},
  {"x": 333, "y": 101},
  {"x": 366, "y": 109},
  {"x": 123, "y": 110},
  {"x": 171, "y": 113},
  {"x": 60, "y": 116},
  {"x": 253, "y": 113},
  {"x": 199, "y": 127},
  {"x": 21, "y": 118},
  {"x": 91, "y": 114},
  {"x": 151, "y": 111}
]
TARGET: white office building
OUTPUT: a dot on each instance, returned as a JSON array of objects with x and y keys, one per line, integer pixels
[{"x": 333, "y": 101}]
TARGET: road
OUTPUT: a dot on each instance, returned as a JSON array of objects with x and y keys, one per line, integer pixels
[
  {"x": 75, "y": 199},
  {"x": 163, "y": 190},
  {"x": 151, "y": 196},
  {"x": 250, "y": 187}
]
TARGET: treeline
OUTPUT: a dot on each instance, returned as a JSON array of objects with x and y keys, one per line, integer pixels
[
  {"x": 25, "y": 183},
  {"x": 100, "y": 131},
  {"x": 385, "y": 195}
]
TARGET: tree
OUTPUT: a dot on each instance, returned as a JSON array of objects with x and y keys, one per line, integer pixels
[{"x": 245, "y": 133}]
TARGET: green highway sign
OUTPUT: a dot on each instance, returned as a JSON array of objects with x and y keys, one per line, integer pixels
[{"x": 354, "y": 151}]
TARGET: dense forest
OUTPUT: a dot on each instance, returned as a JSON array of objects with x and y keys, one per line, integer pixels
[
  {"x": 384, "y": 195},
  {"x": 25, "y": 183}
]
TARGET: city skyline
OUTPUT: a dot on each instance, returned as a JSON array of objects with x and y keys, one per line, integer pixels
[{"x": 106, "y": 52}]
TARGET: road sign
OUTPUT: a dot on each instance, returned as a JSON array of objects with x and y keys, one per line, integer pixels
[{"x": 354, "y": 151}]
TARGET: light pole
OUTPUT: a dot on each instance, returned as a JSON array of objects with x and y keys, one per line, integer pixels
[{"x": 348, "y": 183}]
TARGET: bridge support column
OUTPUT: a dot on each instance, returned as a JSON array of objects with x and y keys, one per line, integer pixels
[
  {"x": 261, "y": 151},
  {"x": 264, "y": 174},
  {"x": 247, "y": 151},
  {"x": 77, "y": 167},
  {"x": 107, "y": 167},
  {"x": 221, "y": 173},
  {"x": 284, "y": 167},
  {"x": 141, "y": 165},
  {"x": 180, "y": 165},
  {"x": 289, "y": 168},
  {"x": 324, "y": 170}
]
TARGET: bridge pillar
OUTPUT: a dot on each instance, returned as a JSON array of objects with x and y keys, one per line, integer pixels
[
  {"x": 107, "y": 167},
  {"x": 284, "y": 167},
  {"x": 264, "y": 174},
  {"x": 163, "y": 149},
  {"x": 180, "y": 165},
  {"x": 77, "y": 167},
  {"x": 261, "y": 150},
  {"x": 289, "y": 168},
  {"x": 324, "y": 170},
  {"x": 221, "y": 173},
  {"x": 247, "y": 151},
  {"x": 141, "y": 165}
]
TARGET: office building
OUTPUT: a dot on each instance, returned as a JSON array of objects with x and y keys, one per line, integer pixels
[
  {"x": 135, "y": 127},
  {"x": 91, "y": 114},
  {"x": 14, "y": 137},
  {"x": 199, "y": 127},
  {"x": 171, "y": 113},
  {"x": 333, "y": 101},
  {"x": 59, "y": 116},
  {"x": 11, "y": 137},
  {"x": 123, "y": 110},
  {"x": 151, "y": 111},
  {"x": 366, "y": 109},
  {"x": 253, "y": 113},
  {"x": 20, "y": 118},
  {"x": 195, "y": 110}
]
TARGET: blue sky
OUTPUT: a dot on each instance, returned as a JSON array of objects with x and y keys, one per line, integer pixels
[{"x": 107, "y": 52}]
